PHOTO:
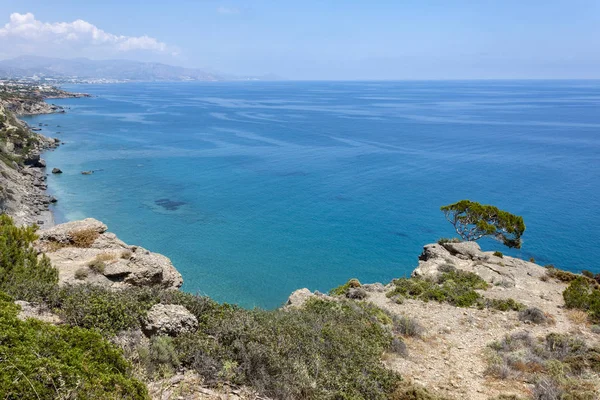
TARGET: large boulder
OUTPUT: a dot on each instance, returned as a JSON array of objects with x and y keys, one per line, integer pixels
[{"x": 169, "y": 320}]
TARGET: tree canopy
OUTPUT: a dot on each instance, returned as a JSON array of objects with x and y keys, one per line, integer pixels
[{"x": 473, "y": 220}]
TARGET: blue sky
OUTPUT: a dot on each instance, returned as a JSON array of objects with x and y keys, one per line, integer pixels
[{"x": 445, "y": 39}]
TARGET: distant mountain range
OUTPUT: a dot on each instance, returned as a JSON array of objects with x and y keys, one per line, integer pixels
[{"x": 120, "y": 70}]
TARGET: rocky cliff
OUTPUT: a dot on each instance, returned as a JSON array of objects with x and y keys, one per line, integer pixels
[{"x": 22, "y": 171}]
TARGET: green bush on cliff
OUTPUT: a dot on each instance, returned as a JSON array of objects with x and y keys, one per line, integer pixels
[
  {"x": 455, "y": 287},
  {"x": 42, "y": 361},
  {"x": 108, "y": 311},
  {"x": 325, "y": 350},
  {"x": 22, "y": 273},
  {"x": 583, "y": 295}
]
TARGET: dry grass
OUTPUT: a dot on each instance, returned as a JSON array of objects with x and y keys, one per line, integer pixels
[
  {"x": 84, "y": 237},
  {"x": 51, "y": 247},
  {"x": 106, "y": 257},
  {"x": 578, "y": 317}
]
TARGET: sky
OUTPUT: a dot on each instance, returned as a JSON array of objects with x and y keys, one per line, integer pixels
[{"x": 326, "y": 39}]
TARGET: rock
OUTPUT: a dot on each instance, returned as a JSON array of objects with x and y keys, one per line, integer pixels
[
  {"x": 298, "y": 298},
  {"x": 53, "y": 199},
  {"x": 357, "y": 293},
  {"x": 374, "y": 287},
  {"x": 30, "y": 310},
  {"x": 56, "y": 171},
  {"x": 169, "y": 320},
  {"x": 64, "y": 233},
  {"x": 469, "y": 250},
  {"x": 74, "y": 245},
  {"x": 87, "y": 172}
]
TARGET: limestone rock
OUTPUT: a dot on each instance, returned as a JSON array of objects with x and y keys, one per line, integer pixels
[
  {"x": 74, "y": 245},
  {"x": 466, "y": 250},
  {"x": 169, "y": 320},
  {"x": 56, "y": 171},
  {"x": 299, "y": 298}
]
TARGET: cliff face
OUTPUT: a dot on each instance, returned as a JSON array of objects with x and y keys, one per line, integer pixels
[{"x": 22, "y": 171}]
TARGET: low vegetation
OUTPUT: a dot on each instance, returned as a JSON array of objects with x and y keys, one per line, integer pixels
[
  {"x": 325, "y": 350},
  {"x": 42, "y": 361},
  {"x": 581, "y": 294},
  {"x": 84, "y": 237},
  {"x": 455, "y": 287},
  {"x": 560, "y": 366}
]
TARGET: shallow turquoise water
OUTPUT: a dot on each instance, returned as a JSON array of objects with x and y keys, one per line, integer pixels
[{"x": 256, "y": 189}]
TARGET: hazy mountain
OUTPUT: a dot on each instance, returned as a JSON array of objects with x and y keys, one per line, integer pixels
[{"x": 84, "y": 68}]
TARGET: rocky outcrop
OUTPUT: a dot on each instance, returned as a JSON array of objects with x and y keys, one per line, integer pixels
[
  {"x": 75, "y": 246},
  {"x": 169, "y": 320},
  {"x": 506, "y": 272},
  {"x": 32, "y": 107}
]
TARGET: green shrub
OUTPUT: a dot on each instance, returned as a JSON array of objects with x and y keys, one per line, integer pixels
[
  {"x": 22, "y": 274},
  {"x": 455, "y": 287},
  {"x": 160, "y": 358},
  {"x": 443, "y": 240},
  {"x": 557, "y": 363},
  {"x": 97, "y": 266},
  {"x": 81, "y": 274},
  {"x": 587, "y": 274},
  {"x": 42, "y": 361},
  {"x": 109, "y": 311},
  {"x": 324, "y": 350},
  {"x": 343, "y": 289},
  {"x": 498, "y": 254},
  {"x": 583, "y": 295}
]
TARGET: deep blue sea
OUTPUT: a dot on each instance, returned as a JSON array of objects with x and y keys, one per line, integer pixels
[{"x": 255, "y": 189}]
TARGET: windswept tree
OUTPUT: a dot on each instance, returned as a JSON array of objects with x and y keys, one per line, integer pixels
[{"x": 472, "y": 221}]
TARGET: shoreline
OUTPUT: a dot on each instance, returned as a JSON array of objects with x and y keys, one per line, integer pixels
[{"x": 24, "y": 184}]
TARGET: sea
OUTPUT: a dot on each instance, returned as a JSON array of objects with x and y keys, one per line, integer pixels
[{"x": 255, "y": 189}]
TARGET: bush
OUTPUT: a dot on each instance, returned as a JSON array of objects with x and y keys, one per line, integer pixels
[
  {"x": 42, "y": 361},
  {"x": 343, "y": 289},
  {"x": 324, "y": 350},
  {"x": 81, "y": 274},
  {"x": 109, "y": 311},
  {"x": 407, "y": 326},
  {"x": 84, "y": 237},
  {"x": 22, "y": 274},
  {"x": 587, "y": 274},
  {"x": 533, "y": 314},
  {"x": 97, "y": 266},
  {"x": 582, "y": 295},
  {"x": 160, "y": 358},
  {"x": 455, "y": 287},
  {"x": 443, "y": 240},
  {"x": 558, "y": 363},
  {"x": 498, "y": 254}
]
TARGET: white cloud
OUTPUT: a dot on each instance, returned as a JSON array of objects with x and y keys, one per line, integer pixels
[
  {"x": 79, "y": 33},
  {"x": 228, "y": 10}
]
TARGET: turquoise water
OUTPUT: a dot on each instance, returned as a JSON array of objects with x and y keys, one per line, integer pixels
[{"x": 256, "y": 189}]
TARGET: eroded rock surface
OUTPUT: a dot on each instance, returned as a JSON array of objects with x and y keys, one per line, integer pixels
[
  {"x": 74, "y": 246},
  {"x": 169, "y": 320}
]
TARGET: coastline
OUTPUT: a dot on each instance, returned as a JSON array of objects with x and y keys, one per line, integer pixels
[{"x": 24, "y": 184}]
